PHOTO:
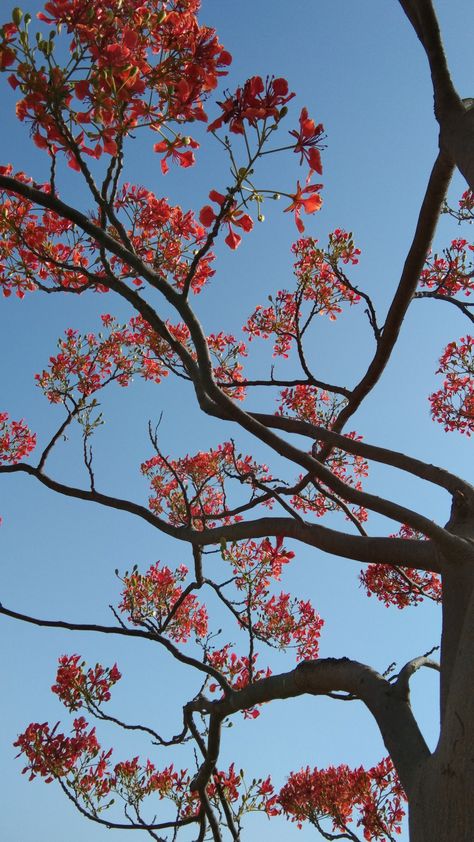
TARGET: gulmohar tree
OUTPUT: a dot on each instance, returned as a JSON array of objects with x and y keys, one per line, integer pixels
[{"x": 130, "y": 65}]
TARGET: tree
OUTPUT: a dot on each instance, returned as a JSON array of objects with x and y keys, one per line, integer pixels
[{"x": 152, "y": 65}]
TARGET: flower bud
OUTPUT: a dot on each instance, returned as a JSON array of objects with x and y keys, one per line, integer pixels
[
  {"x": 17, "y": 15},
  {"x": 261, "y": 217}
]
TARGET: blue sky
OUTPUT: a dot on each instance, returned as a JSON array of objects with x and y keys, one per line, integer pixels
[{"x": 359, "y": 70}]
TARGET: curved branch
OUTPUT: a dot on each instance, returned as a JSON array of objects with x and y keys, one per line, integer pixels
[
  {"x": 408, "y": 553},
  {"x": 402, "y": 684},
  {"x": 124, "y": 826},
  {"x": 454, "y": 115},
  {"x": 427, "y": 221},
  {"x": 393, "y": 714},
  {"x": 424, "y": 470},
  {"x": 124, "y": 632}
]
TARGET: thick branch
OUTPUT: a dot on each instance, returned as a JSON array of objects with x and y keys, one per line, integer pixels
[
  {"x": 394, "y": 458},
  {"x": 393, "y": 715},
  {"x": 421, "y": 243},
  {"x": 420, "y": 555},
  {"x": 454, "y": 115}
]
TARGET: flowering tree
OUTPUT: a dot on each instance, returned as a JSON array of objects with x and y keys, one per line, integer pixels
[{"x": 103, "y": 72}]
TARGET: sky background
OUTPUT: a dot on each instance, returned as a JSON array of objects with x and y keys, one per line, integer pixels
[{"x": 358, "y": 68}]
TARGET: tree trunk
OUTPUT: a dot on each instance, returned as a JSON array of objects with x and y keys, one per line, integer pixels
[
  {"x": 442, "y": 799},
  {"x": 457, "y": 139}
]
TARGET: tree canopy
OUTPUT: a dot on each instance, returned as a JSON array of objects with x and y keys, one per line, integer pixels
[{"x": 304, "y": 430}]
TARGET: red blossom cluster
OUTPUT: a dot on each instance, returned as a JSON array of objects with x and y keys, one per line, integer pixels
[
  {"x": 259, "y": 795},
  {"x": 87, "y": 363},
  {"x": 227, "y": 352},
  {"x": 453, "y": 404},
  {"x": 399, "y": 586},
  {"x": 255, "y": 101},
  {"x": 16, "y": 440},
  {"x": 339, "y": 794},
  {"x": 191, "y": 490},
  {"x": 319, "y": 286},
  {"x": 315, "y": 497},
  {"x": 164, "y": 236},
  {"x": 131, "y": 65},
  {"x": 42, "y": 248},
  {"x": 308, "y": 403},
  {"x": 451, "y": 274},
  {"x": 285, "y": 621},
  {"x": 53, "y": 755},
  {"x": 155, "y": 599},
  {"x": 257, "y": 564},
  {"x": 38, "y": 246},
  {"x": 232, "y": 216},
  {"x": 280, "y": 620},
  {"x": 86, "y": 770},
  {"x": 77, "y": 687},
  {"x": 238, "y": 670}
]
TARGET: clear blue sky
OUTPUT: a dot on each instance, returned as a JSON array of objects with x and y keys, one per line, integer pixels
[{"x": 358, "y": 68}]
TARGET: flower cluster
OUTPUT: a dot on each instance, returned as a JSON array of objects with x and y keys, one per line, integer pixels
[
  {"x": 451, "y": 274},
  {"x": 279, "y": 620},
  {"x": 255, "y": 101},
  {"x": 394, "y": 585},
  {"x": 227, "y": 353},
  {"x": 41, "y": 248},
  {"x": 286, "y": 621},
  {"x": 256, "y": 565},
  {"x": 191, "y": 490},
  {"x": 77, "y": 686},
  {"x": 86, "y": 364},
  {"x": 308, "y": 403},
  {"x": 38, "y": 247},
  {"x": 453, "y": 404},
  {"x": 319, "y": 286},
  {"x": 259, "y": 795},
  {"x": 131, "y": 65},
  {"x": 163, "y": 235},
  {"x": 85, "y": 769},
  {"x": 339, "y": 794},
  {"x": 238, "y": 670},
  {"x": 155, "y": 599},
  {"x": 16, "y": 440},
  {"x": 51, "y": 754}
]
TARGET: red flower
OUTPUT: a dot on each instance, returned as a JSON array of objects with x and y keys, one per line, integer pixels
[
  {"x": 233, "y": 216},
  {"x": 307, "y": 139},
  {"x": 311, "y": 204},
  {"x": 183, "y": 159},
  {"x": 255, "y": 101}
]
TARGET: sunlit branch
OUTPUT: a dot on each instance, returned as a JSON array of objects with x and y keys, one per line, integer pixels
[
  {"x": 424, "y": 470},
  {"x": 417, "y": 554}
]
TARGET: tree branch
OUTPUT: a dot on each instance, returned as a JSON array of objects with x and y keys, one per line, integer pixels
[
  {"x": 421, "y": 555},
  {"x": 393, "y": 714}
]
